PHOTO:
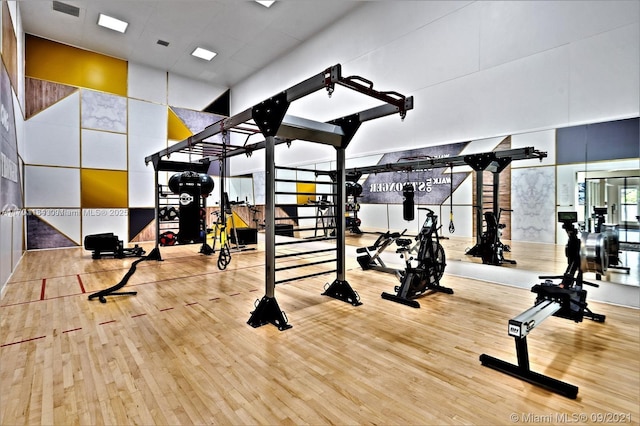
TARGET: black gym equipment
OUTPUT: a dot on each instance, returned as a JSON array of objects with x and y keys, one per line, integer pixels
[
  {"x": 370, "y": 256},
  {"x": 611, "y": 233},
  {"x": 269, "y": 118},
  {"x": 353, "y": 191},
  {"x": 408, "y": 204},
  {"x": 108, "y": 244},
  {"x": 566, "y": 299},
  {"x": 494, "y": 162},
  {"x": 415, "y": 281},
  {"x": 490, "y": 248},
  {"x": 113, "y": 290}
]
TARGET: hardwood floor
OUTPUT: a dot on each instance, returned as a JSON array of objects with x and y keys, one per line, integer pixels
[{"x": 181, "y": 352}]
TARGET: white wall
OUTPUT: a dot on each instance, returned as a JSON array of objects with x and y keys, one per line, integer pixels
[{"x": 475, "y": 69}]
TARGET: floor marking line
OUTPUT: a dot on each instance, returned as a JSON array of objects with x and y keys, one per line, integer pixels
[
  {"x": 23, "y": 341},
  {"x": 44, "y": 283},
  {"x": 80, "y": 282}
]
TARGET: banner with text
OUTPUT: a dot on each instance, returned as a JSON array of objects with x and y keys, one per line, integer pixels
[{"x": 431, "y": 186}]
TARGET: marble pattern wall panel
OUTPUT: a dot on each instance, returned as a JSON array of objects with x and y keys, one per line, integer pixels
[
  {"x": 102, "y": 111},
  {"x": 533, "y": 197},
  {"x": 196, "y": 121}
]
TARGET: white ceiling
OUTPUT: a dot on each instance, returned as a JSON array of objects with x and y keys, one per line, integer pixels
[{"x": 245, "y": 35}]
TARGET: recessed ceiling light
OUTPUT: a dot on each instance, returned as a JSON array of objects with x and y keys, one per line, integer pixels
[
  {"x": 265, "y": 3},
  {"x": 112, "y": 23},
  {"x": 203, "y": 53}
]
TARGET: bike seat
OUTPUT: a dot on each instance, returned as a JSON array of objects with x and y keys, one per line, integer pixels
[{"x": 403, "y": 242}]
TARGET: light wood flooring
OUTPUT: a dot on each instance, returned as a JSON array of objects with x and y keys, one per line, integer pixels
[{"x": 181, "y": 352}]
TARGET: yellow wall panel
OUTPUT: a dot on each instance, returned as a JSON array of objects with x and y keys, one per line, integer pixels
[
  {"x": 305, "y": 187},
  {"x": 176, "y": 129},
  {"x": 51, "y": 61},
  {"x": 103, "y": 189},
  {"x": 237, "y": 220}
]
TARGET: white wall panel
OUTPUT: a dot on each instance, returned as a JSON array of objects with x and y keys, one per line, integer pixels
[
  {"x": 52, "y": 187},
  {"x": 482, "y": 145},
  {"x": 147, "y": 132},
  {"x": 17, "y": 240},
  {"x": 543, "y": 141},
  {"x": 374, "y": 216},
  {"x": 512, "y": 30},
  {"x": 104, "y": 150},
  {"x": 141, "y": 189},
  {"x": 345, "y": 41},
  {"x": 523, "y": 95},
  {"x": 535, "y": 60},
  {"x": 604, "y": 82},
  {"x": 20, "y": 127},
  {"x": 444, "y": 50},
  {"x": 52, "y": 137},
  {"x": 147, "y": 119},
  {"x": 186, "y": 93},
  {"x": 147, "y": 84},
  {"x": 6, "y": 227},
  {"x": 98, "y": 221}
]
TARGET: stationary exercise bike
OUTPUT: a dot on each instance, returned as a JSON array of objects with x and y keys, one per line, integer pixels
[
  {"x": 416, "y": 280},
  {"x": 491, "y": 249}
]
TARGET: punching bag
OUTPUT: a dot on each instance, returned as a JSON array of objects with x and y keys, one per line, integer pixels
[
  {"x": 190, "y": 203},
  {"x": 407, "y": 204}
]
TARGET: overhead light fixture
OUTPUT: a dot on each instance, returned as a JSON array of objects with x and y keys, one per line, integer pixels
[
  {"x": 265, "y": 3},
  {"x": 205, "y": 54},
  {"x": 112, "y": 23}
]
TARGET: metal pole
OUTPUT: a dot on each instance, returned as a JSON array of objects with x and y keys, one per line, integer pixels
[
  {"x": 270, "y": 240},
  {"x": 340, "y": 214},
  {"x": 157, "y": 209},
  {"x": 479, "y": 183}
]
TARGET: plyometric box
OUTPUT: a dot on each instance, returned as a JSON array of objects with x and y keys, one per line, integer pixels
[{"x": 245, "y": 236}]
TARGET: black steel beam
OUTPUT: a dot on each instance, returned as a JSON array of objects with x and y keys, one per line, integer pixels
[{"x": 459, "y": 160}]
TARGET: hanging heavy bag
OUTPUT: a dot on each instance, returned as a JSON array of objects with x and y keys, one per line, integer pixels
[{"x": 407, "y": 204}]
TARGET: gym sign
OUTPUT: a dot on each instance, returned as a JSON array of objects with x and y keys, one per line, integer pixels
[
  {"x": 431, "y": 186},
  {"x": 418, "y": 186}
]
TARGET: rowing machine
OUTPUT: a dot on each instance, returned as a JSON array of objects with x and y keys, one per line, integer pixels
[{"x": 566, "y": 299}]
